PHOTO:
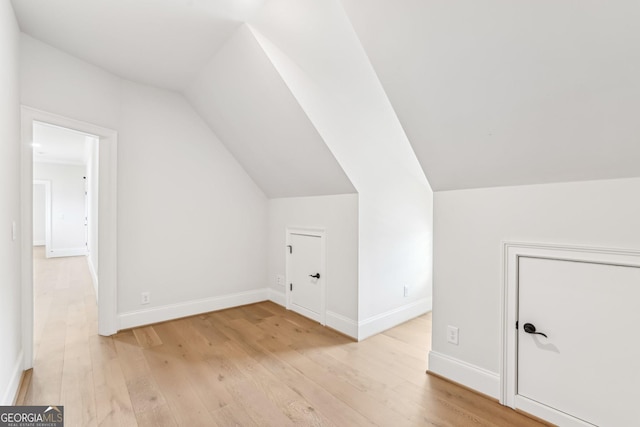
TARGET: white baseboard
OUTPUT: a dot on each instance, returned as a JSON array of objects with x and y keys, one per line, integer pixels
[
  {"x": 387, "y": 320},
  {"x": 342, "y": 324},
  {"x": 474, "y": 377},
  {"x": 55, "y": 253},
  {"x": 94, "y": 275},
  {"x": 39, "y": 243},
  {"x": 335, "y": 321},
  {"x": 137, "y": 318},
  {"x": 278, "y": 297},
  {"x": 11, "y": 392}
]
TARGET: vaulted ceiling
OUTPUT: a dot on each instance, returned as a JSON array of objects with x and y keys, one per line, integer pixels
[
  {"x": 244, "y": 99},
  {"x": 161, "y": 42},
  {"x": 494, "y": 93},
  {"x": 489, "y": 93}
]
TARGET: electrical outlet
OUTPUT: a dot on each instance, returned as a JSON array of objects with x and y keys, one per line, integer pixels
[
  {"x": 145, "y": 298},
  {"x": 406, "y": 290},
  {"x": 452, "y": 335},
  {"x": 280, "y": 280}
]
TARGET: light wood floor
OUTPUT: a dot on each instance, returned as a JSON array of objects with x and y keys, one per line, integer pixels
[{"x": 252, "y": 365}]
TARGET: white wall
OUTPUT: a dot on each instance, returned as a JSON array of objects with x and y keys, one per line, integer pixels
[
  {"x": 470, "y": 227},
  {"x": 68, "y": 232},
  {"x": 39, "y": 214},
  {"x": 10, "y": 290},
  {"x": 192, "y": 224},
  {"x": 338, "y": 216},
  {"x": 317, "y": 53},
  {"x": 56, "y": 82},
  {"x": 190, "y": 220}
]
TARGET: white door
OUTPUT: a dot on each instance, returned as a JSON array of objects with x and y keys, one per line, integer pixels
[
  {"x": 587, "y": 369},
  {"x": 306, "y": 278}
]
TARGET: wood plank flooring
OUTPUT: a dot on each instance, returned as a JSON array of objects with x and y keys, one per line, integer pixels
[{"x": 253, "y": 365}]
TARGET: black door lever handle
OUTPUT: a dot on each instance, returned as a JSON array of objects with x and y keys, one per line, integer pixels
[
  {"x": 531, "y": 329},
  {"x": 317, "y": 275}
]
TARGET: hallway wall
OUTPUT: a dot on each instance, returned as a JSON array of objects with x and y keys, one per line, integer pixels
[
  {"x": 68, "y": 232},
  {"x": 10, "y": 286}
]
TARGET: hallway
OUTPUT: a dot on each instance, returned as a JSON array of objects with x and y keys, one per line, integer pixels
[{"x": 66, "y": 343}]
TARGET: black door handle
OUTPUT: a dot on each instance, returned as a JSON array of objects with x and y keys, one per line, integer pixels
[
  {"x": 317, "y": 275},
  {"x": 531, "y": 329}
]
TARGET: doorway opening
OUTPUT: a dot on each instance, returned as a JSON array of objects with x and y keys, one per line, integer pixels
[
  {"x": 65, "y": 192},
  {"x": 65, "y": 219},
  {"x": 71, "y": 226}
]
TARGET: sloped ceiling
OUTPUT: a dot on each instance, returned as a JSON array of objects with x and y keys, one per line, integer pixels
[
  {"x": 202, "y": 49},
  {"x": 160, "y": 42},
  {"x": 242, "y": 97},
  {"x": 494, "y": 93},
  {"x": 489, "y": 93},
  {"x": 318, "y": 55}
]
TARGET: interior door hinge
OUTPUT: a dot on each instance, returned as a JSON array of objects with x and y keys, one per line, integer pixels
[
  {"x": 516, "y": 324},
  {"x": 290, "y": 249},
  {"x": 290, "y": 286}
]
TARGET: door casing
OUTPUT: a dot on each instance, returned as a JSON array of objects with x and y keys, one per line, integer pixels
[
  {"x": 47, "y": 212},
  {"x": 509, "y": 369},
  {"x": 107, "y": 232},
  {"x": 315, "y": 232}
]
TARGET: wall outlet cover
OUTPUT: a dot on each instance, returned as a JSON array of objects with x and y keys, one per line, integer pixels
[
  {"x": 452, "y": 335},
  {"x": 145, "y": 298}
]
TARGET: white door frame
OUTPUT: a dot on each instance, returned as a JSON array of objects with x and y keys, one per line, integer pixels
[
  {"x": 315, "y": 232},
  {"x": 107, "y": 308},
  {"x": 509, "y": 357},
  {"x": 47, "y": 213}
]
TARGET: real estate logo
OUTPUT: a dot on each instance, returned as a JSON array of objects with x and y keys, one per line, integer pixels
[{"x": 31, "y": 416}]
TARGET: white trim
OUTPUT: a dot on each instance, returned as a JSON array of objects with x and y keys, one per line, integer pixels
[
  {"x": 342, "y": 324},
  {"x": 26, "y": 212},
  {"x": 59, "y": 162},
  {"x": 389, "y": 319},
  {"x": 163, "y": 313},
  {"x": 39, "y": 243},
  {"x": 47, "y": 213},
  {"x": 56, "y": 253},
  {"x": 551, "y": 415},
  {"x": 315, "y": 232},
  {"x": 309, "y": 314},
  {"x": 276, "y": 296},
  {"x": 474, "y": 377},
  {"x": 335, "y": 321},
  {"x": 107, "y": 241},
  {"x": 94, "y": 276},
  {"x": 10, "y": 394},
  {"x": 509, "y": 342}
]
